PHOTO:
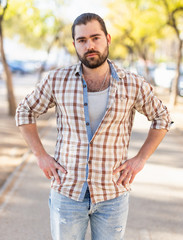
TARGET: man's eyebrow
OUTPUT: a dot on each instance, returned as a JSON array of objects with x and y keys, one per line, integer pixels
[{"x": 93, "y": 35}]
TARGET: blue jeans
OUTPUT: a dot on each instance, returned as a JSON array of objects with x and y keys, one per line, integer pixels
[{"x": 69, "y": 218}]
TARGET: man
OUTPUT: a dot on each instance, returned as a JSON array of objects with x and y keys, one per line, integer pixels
[{"x": 95, "y": 105}]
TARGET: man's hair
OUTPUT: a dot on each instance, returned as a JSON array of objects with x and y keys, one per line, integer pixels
[{"x": 85, "y": 18}]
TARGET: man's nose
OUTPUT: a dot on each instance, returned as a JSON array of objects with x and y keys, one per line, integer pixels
[{"x": 90, "y": 44}]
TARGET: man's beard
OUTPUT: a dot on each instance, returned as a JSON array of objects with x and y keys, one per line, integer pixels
[{"x": 95, "y": 61}]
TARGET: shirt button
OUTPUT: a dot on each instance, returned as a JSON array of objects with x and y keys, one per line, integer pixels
[
  {"x": 84, "y": 85},
  {"x": 89, "y": 161},
  {"x": 85, "y": 104},
  {"x": 87, "y": 124}
]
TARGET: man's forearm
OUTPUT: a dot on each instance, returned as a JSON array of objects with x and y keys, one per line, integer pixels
[
  {"x": 154, "y": 138},
  {"x": 30, "y": 134}
]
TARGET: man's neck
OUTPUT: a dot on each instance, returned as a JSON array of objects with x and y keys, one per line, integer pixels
[
  {"x": 97, "y": 79},
  {"x": 97, "y": 73}
]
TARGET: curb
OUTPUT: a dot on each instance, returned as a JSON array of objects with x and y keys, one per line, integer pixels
[
  {"x": 11, "y": 180},
  {"x": 8, "y": 184}
]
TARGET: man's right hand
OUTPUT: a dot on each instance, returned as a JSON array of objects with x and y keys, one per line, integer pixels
[
  {"x": 50, "y": 167},
  {"x": 47, "y": 163}
]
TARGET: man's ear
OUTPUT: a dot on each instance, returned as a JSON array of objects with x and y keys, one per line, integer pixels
[
  {"x": 73, "y": 43},
  {"x": 109, "y": 38}
]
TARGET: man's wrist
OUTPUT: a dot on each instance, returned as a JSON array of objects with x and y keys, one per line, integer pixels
[
  {"x": 40, "y": 153},
  {"x": 142, "y": 157}
]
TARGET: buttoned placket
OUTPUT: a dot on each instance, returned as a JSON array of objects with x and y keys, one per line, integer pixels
[
  {"x": 89, "y": 132},
  {"x": 88, "y": 126}
]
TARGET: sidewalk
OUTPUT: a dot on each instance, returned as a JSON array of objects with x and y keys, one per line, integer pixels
[
  {"x": 25, "y": 207},
  {"x": 156, "y": 211},
  {"x": 156, "y": 203}
]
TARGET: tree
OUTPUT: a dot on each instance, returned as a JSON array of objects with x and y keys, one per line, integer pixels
[
  {"x": 140, "y": 23},
  {"x": 136, "y": 28},
  {"x": 35, "y": 27},
  {"x": 174, "y": 19},
  {"x": 8, "y": 77}
]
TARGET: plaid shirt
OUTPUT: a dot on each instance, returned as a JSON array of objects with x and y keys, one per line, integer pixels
[{"x": 90, "y": 160}]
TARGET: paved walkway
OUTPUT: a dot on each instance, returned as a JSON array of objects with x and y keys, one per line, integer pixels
[
  {"x": 156, "y": 206},
  {"x": 156, "y": 203}
]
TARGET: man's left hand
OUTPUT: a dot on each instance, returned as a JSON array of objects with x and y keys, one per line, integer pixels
[{"x": 128, "y": 170}]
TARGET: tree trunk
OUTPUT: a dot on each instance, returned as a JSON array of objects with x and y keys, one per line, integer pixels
[
  {"x": 146, "y": 69},
  {"x": 8, "y": 77},
  {"x": 42, "y": 68},
  {"x": 174, "y": 88}
]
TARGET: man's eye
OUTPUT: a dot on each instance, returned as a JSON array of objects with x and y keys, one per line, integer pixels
[
  {"x": 96, "y": 38},
  {"x": 81, "y": 41}
]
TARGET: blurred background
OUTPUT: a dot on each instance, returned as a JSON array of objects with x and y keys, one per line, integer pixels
[
  {"x": 147, "y": 38},
  {"x": 35, "y": 37}
]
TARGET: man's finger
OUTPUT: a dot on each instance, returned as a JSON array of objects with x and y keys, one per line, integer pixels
[
  {"x": 122, "y": 177},
  {"x": 126, "y": 181},
  {"x": 47, "y": 174},
  {"x": 56, "y": 176},
  {"x": 59, "y": 167},
  {"x": 119, "y": 169},
  {"x": 132, "y": 178},
  {"x": 50, "y": 173}
]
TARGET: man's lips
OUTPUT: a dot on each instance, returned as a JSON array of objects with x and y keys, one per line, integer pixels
[{"x": 91, "y": 54}]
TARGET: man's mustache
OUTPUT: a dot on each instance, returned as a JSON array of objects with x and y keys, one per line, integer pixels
[{"x": 89, "y": 52}]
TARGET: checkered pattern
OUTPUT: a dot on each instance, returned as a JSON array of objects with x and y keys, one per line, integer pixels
[{"x": 63, "y": 88}]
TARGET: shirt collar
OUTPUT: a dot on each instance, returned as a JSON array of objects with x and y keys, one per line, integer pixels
[
  {"x": 78, "y": 69},
  {"x": 115, "y": 71}
]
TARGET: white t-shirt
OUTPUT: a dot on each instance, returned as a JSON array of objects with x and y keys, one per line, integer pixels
[{"x": 97, "y": 103}]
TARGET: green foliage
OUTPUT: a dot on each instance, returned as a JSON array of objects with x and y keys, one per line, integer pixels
[
  {"x": 34, "y": 27},
  {"x": 137, "y": 24},
  {"x": 66, "y": 39}
]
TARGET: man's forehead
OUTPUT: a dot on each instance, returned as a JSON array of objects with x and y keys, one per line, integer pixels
[{"x": 90, "y": 28}]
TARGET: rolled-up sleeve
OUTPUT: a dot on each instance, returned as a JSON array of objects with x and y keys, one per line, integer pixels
[
  {"x": 152, "y": 107},
  {"x": 35, "y": 104}
]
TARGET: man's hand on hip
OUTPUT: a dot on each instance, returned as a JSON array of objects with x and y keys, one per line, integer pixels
[
  {"x": 128, "y": 170},
  {"x": 50, "y": 167},
  {"x": 131, "y": 167}
]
